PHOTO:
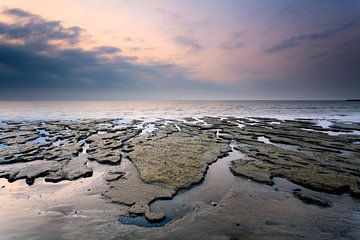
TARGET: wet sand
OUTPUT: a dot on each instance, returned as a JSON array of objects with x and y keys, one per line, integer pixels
[{"x": 112, "y": 179}]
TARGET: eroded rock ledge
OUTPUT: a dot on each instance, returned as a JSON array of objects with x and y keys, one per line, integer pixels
[
  {"x": 312, "y": 159},
  {"x": 175, "y": 154}
]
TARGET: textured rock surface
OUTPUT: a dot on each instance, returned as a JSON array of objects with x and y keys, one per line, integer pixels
[
  {"x": 167, "y": 159},
  {"x": 59, "y": 154},
  {"x": 142, "y": 162},
  {"x": 312, "y": 159},
  {"x": 105, "y": 148},
  {"x": 177, "y": 160}
]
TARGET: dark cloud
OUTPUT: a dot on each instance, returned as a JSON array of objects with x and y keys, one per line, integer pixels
[
  {"x": 31, "y": 28},
  {"x": 106, "y": 50},
  {"x": 42, "y": 65},
  {"x": 297, "y": 40},
  {"x": 18, "y": 12},
  {"x": 188, "y": 42},
  {"x": 73, "y": 67},
  {"x": 38, "y": 56}
]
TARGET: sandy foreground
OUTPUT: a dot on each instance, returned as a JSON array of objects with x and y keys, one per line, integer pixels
[{"x": 208, "y": 178}]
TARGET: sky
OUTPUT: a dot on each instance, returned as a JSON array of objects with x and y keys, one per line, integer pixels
[{"x": 180, "y": 49}]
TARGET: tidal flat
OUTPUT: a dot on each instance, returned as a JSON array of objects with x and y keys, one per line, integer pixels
[{"x": 194, "y": 178}]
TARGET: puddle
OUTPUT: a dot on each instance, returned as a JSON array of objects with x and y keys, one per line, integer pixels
[
  {"x": 42, "y": 132},
  {"x": 120, "y": 123},
  {"x": 217, "y": 132},
  {"x": 43, "y": 207},
  {"x": 264, "y": 140},
  {"x": 344, "y": 200},
  {"x": 324, "y": 123},
  {"x": 2, "y": 145},
  {"x": 218, "y": 181},
  {"x": 57, "y": 142},
  {"x": 148, "y": 128},
  {"x": 253, "y": 120},
  {"x": 38, "y": 140},
  {"x": 196, "y": 121},
  {"x": 239, "y": 123},
  {"x": 43, "y": 136},
  {"x": 141, "y": 221},
  {"x": 333, "y": 133},
  {"x": 279, "y": 145}
]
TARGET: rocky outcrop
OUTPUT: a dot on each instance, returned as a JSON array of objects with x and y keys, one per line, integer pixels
[
  {"x": 318, "y": 161},
  {"x": 176, "y": 154}
]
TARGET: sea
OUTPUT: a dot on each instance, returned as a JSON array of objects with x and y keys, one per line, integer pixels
[{"x": 344, "y": 111}]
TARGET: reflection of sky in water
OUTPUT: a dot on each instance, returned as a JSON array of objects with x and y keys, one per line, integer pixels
[
  {"x": 279, "y": 145},
  {"x": 324, "y": 123},
  {"x": 43, "y": 136},
  {"x": 43, "y": 131},
  {"x": 151, "y": 110},
  {"x": 38, "y": 140},
  {"x": 148, "y": 129},
  {"x": 141, "y": 221},
  {"x": 333, "y": 133}
]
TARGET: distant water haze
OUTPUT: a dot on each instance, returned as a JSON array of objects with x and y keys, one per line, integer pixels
[{"x": 331, "y": 110}]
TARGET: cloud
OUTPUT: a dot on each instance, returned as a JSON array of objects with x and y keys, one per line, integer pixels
[
  {"x": 134, "y": 49},
  {"x": 104, "y": 50},
  {"x": 50, "y": 66},
  {"x": 131, "y": 39},
  {"x": 297, "y": 40},
  {"x": 31, "y": 28},
  {"x": 230, "y": 45},
  {"x": 233, "y": 42},
  {"x": 237, "y": 35},
  {"x": 316, "y": 56},
  {"x": 18, "y": 12},
  {"x": 184, "y": 29},
  {"x": 37, "y": 55},
  {"x": 188, "y": 42}
]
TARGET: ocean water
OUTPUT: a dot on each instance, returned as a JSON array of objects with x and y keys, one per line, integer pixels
[{"x": 326, "y": 110}]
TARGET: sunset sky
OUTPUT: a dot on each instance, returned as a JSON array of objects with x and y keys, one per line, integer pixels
[{"x": 185, "y": 49}]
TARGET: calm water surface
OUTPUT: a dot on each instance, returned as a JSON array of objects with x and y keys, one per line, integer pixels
[{"x": 338, "y": 110}]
